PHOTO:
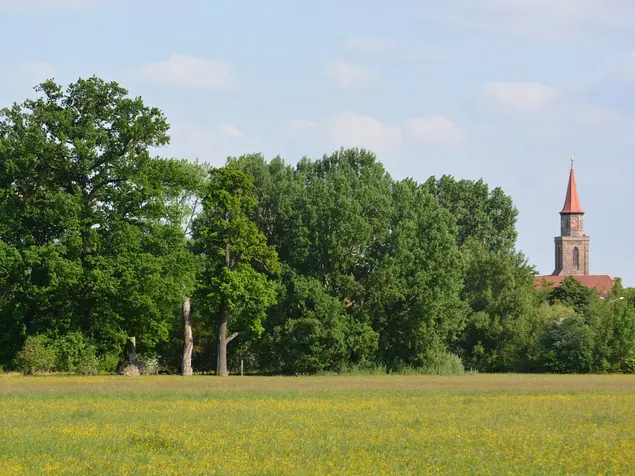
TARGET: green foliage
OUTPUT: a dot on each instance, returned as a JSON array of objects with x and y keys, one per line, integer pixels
[
  {"x": 237, "y": 262},
  {"x": 483, "y": 215},
  {"x": 567, "y": 345},
  {"x": 613, "y": 324},
  {"x": 572, "y": 293},
  {"x": 358, "y": 369},
  {"x": 417, "y": 280},
  {"x": 239, "y": 278},
  {"x": 313, "y": 338},
  {"x": 327, "y": 266},
  {"x": 439, "y": 362},
  {"x": 108, "y": 363},
  {"x": 622, "y": 342},
  {"x": 152, "y": 363},
  {"x": 370, "y": 260},
  {"x": 36, "y": 356},
  {"x": 499, "y": 289},
  {"x": 68, "y": 353},
  {"x": 74, "y": 354},
  {"x": 91, "y": 235}
]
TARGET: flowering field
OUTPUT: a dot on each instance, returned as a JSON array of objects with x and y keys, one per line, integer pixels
[{"x": 315, "y": 425}]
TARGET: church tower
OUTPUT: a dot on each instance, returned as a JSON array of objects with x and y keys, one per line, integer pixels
[{"x": 572, "y": 246}]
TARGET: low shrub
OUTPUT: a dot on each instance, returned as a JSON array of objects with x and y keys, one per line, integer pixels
[
  {"x": 68, "y": 353},
  {"x": 150, "y": 363},
  {"x": 108, "y": 363},
  {"x": 443, "y": 363},
  {"x": 435, "y": 362},
  {"x": 567, "y": 346},
  {"x": 356, "y": 369},
  {"x": 75, "y": 354},
  {"x": 36, "y": 356},
  {"x": 88, "y": 364},
  {"x": 629, "y": 365}
]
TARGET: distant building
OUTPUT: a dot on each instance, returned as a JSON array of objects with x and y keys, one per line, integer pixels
[{"x": 572, "y": 247}]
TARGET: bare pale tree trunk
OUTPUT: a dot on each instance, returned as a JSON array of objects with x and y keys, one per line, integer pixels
[
  {"x": 223, "y": 317},
  {"x": 189, "y": 343},
  {"x": 221, "y": 363}
]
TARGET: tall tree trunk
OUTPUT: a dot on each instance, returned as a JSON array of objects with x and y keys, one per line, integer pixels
[
  {"x": 223, "y": 317},
  {"x": 189, "y": 343},
  {"x": 221, "y": 362}
]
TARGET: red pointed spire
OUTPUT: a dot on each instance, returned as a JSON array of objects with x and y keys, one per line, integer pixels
[{"x": 572, "y": 202}]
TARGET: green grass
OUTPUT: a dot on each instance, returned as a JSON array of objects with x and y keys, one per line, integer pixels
[{"x": 475, "y": 424}]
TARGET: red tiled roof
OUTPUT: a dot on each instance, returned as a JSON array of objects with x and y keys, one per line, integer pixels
[
  {"x": 602, "y": 283},
  {"x": 572, "y": 202}
]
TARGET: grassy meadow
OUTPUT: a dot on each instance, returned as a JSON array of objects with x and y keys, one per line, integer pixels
[{"x": 476, "y": 424}]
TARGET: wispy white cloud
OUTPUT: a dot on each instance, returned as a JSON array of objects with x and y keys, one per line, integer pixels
[
  {"x": 300, "y": 127},
  {"x": 230, "y": 130},
  {"x": 518, "y": 95},
  {"x": 349, "y": 129},
  {"x": 208, "y": 141},
  {"x": 544, "y": 19},
  {"x": 622, "y": 68},
  {"x": 587, "y": 118},
  {"x": 347, "y": 75},
  {"x": 433, "y": 129},
  {"x": 189, "y": 72},
  {"x": 47, "y": 5},
  {"x": 397, "y": 49},
  {"x": 18, "y": 81}
]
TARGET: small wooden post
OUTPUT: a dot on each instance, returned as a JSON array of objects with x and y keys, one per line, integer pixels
[{"x": 241, "y": 367}]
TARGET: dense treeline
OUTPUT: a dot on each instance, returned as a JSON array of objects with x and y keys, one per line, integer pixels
[{"x": 329, "y": 265}]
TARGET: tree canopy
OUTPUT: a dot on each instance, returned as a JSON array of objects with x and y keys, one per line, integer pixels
[
  {"x": 324, "y": 265},
  {"x": 90, "y": 222}
]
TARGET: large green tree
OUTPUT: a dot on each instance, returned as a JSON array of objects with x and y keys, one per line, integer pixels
[
  {"x": 91, "y": 222},
  {"x": 237, "y": 261},
  {"x": 324, "y": 217},
  {"x": 384, "y": 255},
  {"x": 416, "y": 280},
  {"x": 503, "y": 305}
]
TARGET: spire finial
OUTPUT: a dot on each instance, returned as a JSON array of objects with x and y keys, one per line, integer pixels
[{"x": 572, "y": 160}]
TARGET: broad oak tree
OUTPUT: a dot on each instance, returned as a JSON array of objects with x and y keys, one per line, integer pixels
[
  {"x": 90, "y": 225},
  {"x": 238, "y": 264}
]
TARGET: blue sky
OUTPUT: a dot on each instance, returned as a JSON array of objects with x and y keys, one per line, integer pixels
[{"x": 505, "y": 90}]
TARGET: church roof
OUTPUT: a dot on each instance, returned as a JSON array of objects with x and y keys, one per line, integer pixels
[
  {"x": 572, "y": 202},
  {"x": 602, "y": 283}
]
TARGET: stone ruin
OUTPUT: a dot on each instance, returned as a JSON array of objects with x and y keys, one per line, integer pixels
[{"x": 131, "y": 366}]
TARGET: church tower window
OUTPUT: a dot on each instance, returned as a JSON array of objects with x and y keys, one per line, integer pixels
[{"x": 576, "y": 257}]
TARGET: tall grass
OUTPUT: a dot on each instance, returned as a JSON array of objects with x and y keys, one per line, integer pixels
[{"x": 495, "y": 424}]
